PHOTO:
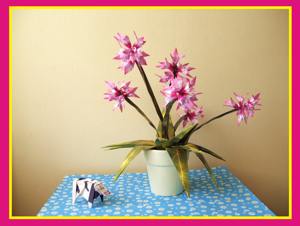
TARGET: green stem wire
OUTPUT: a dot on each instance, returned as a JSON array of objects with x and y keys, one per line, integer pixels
[
  {"x": 214, "y": 118},
  {"x": 140, "y": 111},
  {"x": 150, "y": 91}
]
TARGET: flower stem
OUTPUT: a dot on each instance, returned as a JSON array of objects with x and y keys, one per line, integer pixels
[
  {"x": 214, "y": 118},
  {"x": 150, "y": 91},
  {"x": 197, "y": 126},
  {"x": 140, "y": 111}
]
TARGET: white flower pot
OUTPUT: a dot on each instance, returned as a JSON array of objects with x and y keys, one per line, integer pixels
[{"x": 162, "y": 174}]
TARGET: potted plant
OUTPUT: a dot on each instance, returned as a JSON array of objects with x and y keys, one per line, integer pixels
[{"x": 167, "y": 155}]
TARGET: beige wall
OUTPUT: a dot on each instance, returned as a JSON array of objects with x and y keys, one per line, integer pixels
[{"x": 61, "y": 59}]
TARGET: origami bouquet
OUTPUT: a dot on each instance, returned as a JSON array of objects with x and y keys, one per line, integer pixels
[{"x": 178, "y": 91}]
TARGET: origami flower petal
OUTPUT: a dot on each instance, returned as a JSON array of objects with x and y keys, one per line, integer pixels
[
  {"x": 181, "y": 90},
  {"x": 176, "y": 57},
  {"x": 245, "y": 107},
  {"x": 130, "y": 53},
  {"x": 118, "y": 92},
  {"x": 192, "y": 115},
  {"x": 175, "y": 67},
  {"x": 123, "y": 40}
]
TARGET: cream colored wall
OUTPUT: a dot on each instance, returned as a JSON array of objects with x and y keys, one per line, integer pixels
[{"x": 61, "y": 59}]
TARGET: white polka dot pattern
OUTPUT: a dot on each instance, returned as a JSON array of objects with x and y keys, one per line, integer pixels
[{"x": 131, "y": 196}]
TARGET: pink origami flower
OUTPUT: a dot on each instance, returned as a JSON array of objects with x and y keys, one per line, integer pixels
[
  {"x": 168, "y": 76},
  {"x": 174, "y": 68},
  {"x": 245, "y": 107},
  {"x": 181, "y": 90},
  {"x": 118, "y": 92},
  {"x": 192, "y": 115},
  {"x": 129, "y": 54}
]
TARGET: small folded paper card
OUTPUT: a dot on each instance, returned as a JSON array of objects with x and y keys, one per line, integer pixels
[{"x": 89, "y": 189}]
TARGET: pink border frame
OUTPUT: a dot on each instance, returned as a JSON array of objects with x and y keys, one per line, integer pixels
[{"x": 4, "y": 101}]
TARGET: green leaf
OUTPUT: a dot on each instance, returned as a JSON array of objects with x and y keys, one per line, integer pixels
[
  {"x": 159, "y": 130},
  {"x": 177, "y": 140},
  {"x": 203, "y": 149},
  {"x": 180, "y": 160},
  {"x": 187, "y": 136},
  {"x": 179, "y": 121},
  {"x": 205, "y": 163},
  {"x": 166, "y": 120},
  {"x": 199, "y": 154},
  {"x": 131, "y": 155},
  {"x": 161, "y": 143},
  {"x": 171, "y": 130},
  {"x": 131, "y": 144}
]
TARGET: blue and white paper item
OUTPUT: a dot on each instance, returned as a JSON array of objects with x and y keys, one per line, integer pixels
[{"x": 89, "y": 189}]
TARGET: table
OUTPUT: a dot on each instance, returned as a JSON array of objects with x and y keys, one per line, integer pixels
[{"x": 131, "y": 196}]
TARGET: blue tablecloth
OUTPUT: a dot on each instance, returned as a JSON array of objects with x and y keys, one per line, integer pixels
[{"x": 131, "y": 196}]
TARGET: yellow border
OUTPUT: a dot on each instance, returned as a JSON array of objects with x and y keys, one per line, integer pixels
[
  {"x": 10, "y": 113},
  {"x": 290, "y": 112},
  {"x": 153, "y": 7},
  {"x": 289, "y": 8},
  {"x": 150, "y": 218}
]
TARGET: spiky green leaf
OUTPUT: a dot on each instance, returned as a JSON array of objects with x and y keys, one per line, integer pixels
[
  {"x": 186, "y": 137},
  {"x": 161, "y": 143},
  {"x": 130, "y": 144},
  {"x": 197, "y": 147},
  {"x": 159, "y": 130},
  {"x": 199, "y": 154},
  {"x": 171, "y": 130},
  {"x": 180, "y": 160},
  {"x": 205, "y": 163},
  {"x": 177, "y": 140},
  {"x": 130, "y": 156},
  {"x": 166, "y": 120}
]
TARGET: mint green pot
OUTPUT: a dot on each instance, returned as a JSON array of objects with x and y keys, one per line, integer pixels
[{"x": 162, "y": 174}]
